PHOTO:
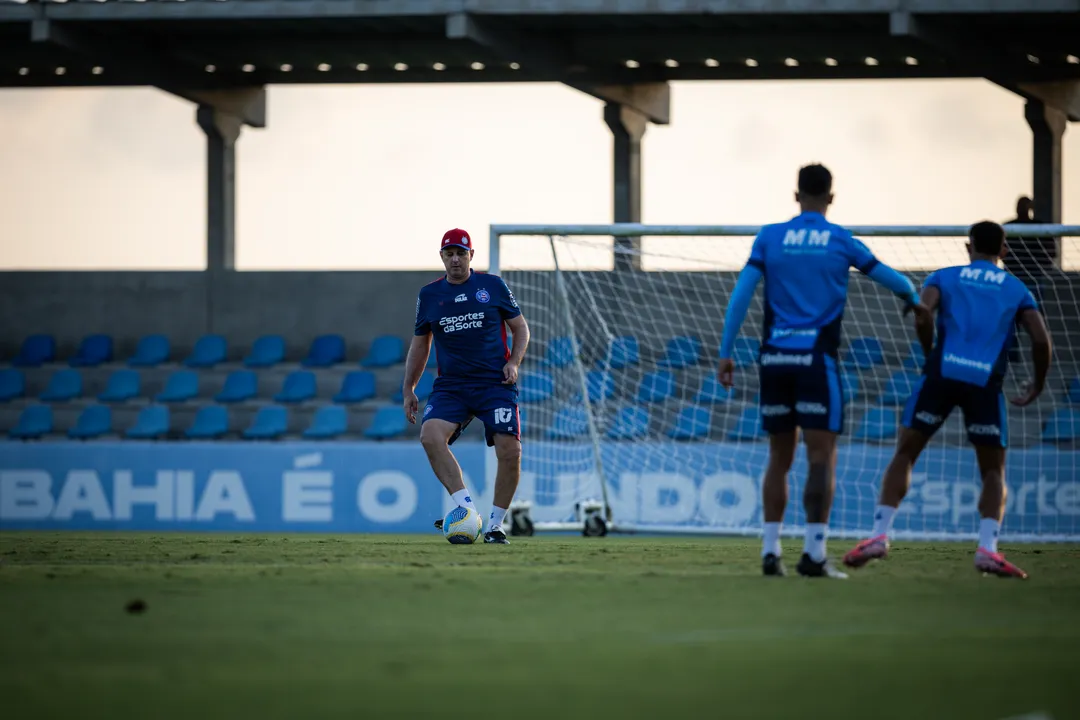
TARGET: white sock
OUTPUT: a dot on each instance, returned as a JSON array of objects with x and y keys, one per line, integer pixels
[
  {"x": 771, "y": 539},
  {"x": 495, "y": 522},
  {"x": 815, "y": 541},
  {"x": 461, "y": 497},
  {"x": 988, "y": 534},
  {"x": 883, "y": 518}
]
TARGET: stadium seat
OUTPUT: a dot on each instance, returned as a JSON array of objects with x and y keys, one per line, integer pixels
[
  {"x": 692, "y": 423},
  {"x": 423, "y": 388},
  {"x": 36, "y": 350},
  {"x": 1073, "y": 393},
  {"x": 746, "y": 351},
  {"x": 240, "y": 385},
  {"x": 209, "y": 351},
  {"x": 712, "y": 392},
  {"x": 151, "y": 351},
  {"x": 1062, "y": 426},
  {"x": 898, "y": 388},
  {"x": 266, "y": 351},
  {"x": 12, "y": 384},
  {"x": 329, "y": 422},
  {"x": 269, "y": 423},
  {"x": 656, "y": 387},
  {"x": 535, "y": 387},
  {"x": 34, "y": 421},
  {"x": 388, "y": 422},
  {"x": 681, "y": 351},
  {"x": 864, "y": 353},
  {"x": 152, "y": 422},
  {"x": 749, "y": 426},
  {"x": 631, "y": 422},
  {"x": 560, "y": 351},
  {"x": 356, "y": 386},
  {"x": 601, "y": 386},
  {"x": 879, "y": 423},
  {"x": 298, "y": 386},
  {"x": 385, "y": 351},
  {"x": 93, "y": 422},
  {"x": 93, "y": 351},
  {"x": 180, "y": 386},
  {"x": 622, "y": 352},
  {"x": 916, "y": 357},
  {"x": 210, "y": 423},
  {"x": 850, "y": 387},
  {"x": 64, "y": 385},
  {"x": 122, "y": 385},
  {"x": 569, "y": 422},
  {"x": 325, "y": 351}
]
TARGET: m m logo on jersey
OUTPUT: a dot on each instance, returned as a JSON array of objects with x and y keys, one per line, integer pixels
[
  {"x": 990, "y": 276},
  {"x": 503, "y": 416},
  {"x": 818, "y": 238}
]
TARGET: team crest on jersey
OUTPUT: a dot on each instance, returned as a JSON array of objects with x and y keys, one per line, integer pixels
[
  {"x": 427, "y": 410},
  {"x": 482, "y": 295}
]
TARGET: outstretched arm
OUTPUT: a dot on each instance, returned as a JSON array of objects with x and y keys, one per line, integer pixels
[
  {"x": 924, "y": 321},
  {"x": 739, "y": 304},
  {"x": 894, "y": 281},
  {"x": 1041, "y": 351}
]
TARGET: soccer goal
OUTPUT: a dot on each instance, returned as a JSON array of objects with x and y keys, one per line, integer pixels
[{"x": 626, "y": 429}]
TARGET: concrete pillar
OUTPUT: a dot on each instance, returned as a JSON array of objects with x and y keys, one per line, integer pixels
[
  {"x": 1047, "y": 129},
  {"x": 627, "y": 128},
  {"x": 222, "y": 131}
]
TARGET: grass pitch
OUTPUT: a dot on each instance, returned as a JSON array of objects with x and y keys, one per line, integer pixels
[{"x": 300, "y": 626}]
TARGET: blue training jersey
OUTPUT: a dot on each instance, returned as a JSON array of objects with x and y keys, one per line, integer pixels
[
  {"x": 467, "y": 322},
  {"x": 806, "y": 263},
  {"x": 976, "y": 322}
]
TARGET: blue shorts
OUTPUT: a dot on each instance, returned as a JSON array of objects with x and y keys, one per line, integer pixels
[
  {"x": 800, "y": 390},
  {"x": 933, "y": 398},
  {"x": 495, "y": 405}
]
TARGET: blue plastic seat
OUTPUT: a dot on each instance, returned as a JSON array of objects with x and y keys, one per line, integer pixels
[
  {"x": 152, "y": 422},
  {"x": 151, "y": 351},
  {"x": 681, "y": 351},
  {"x": 423, "y": 388},
  {"x": 121, "y": 386},
  {"x": 93, "y": 351},
  {"x": 535, "y": 387},
  {"x": 898, "y": 388},
  {"x": 746, "y": 351},
  {"x": 93, "y": 422},
  {"x": 210, "y": 423},
  {"x": 298, "y": 386},
  {"x": 36, "y": 350},
  {"x": 12, "y": 384},
  {"x": 916, "y": 357},
  {"x": 622, "y": 352},
  {"x": 388, "y": 422},
  {"x": 656, "y": 386},
  {"x": 849, "y": 386},
  {"x": 560, "y": 351},
  {"x": 748, "y": 426},
  {"x": 329, "y": 422},
  {"x": 325, "y": 351},
  {"x": 240, "y": 385},
  {"x": 209, "y": 351},
  {"x": 267, "y": 351},
  {"x": 269, "y": 423},
  {"x": 712, "y": 392},
  {"x": 569, "y": 422},
  {"x": 34, "y": 422},
  {"x": 601, "y": 386},
  {"x": 631, "y": 422},
  {"x": 180, "y": 386},
  {"x": 864, "y": 353},
  {"x": 385, "y": 351},
  {"x": 692, "y": 423},
  {"x": 356, "y": 386},
  {"x": 64, "y": 385},
  {"x": 1062, "y": 426},
  {"x": 879, "y": 423},
  {"x": 1073, "y": 393}
]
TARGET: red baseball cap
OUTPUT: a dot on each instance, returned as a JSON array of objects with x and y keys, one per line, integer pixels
[{"x": 456, "y": 238}]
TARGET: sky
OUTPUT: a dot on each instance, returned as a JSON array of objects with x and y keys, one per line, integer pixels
[{"x": 369, "y": 177}]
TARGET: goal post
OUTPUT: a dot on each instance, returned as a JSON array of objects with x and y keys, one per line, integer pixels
[{"x": 625, "y": 428}]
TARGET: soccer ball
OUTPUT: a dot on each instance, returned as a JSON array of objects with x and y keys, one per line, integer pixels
[{"x": 462, "y": 526}]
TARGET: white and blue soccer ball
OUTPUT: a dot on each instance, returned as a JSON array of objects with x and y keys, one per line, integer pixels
[{"x": 462, "y": 526}]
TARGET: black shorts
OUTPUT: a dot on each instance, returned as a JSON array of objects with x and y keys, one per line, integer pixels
[
  {"x": 933, "y": 398},
  {"x": 800, "y": 390}
]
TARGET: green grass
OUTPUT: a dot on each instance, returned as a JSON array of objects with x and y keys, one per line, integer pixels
[{"x": 407, "y": 627}]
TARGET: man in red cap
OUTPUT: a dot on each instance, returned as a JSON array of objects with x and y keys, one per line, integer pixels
[{"x": 468, "y": 312}]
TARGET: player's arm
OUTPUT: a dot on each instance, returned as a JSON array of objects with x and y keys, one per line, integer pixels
[
  {"x": 737, "y": 308},
  {"x": 415, "y": 361},
  {"x": 520, "y": 330},
  {"x": 1041, "y": 350},
  {"x": 924, "y": 322}
]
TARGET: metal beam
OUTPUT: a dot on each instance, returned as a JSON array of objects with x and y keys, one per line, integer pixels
[
  {"x": 1063, "y": 95},
  {"x": 1047, "y": 128},
  {"x": 222, "y": 131},
  {"x": 652, "y": 100},
  {"x": 627, "y": 129}
]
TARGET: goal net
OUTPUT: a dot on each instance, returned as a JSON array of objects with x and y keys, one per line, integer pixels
[{"x": 621, "y": 410}]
